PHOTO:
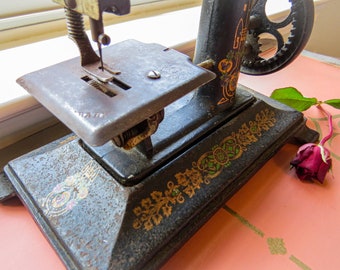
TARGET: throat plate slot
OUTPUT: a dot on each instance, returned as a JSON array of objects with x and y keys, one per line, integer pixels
[{"x": 154, "y": 76}]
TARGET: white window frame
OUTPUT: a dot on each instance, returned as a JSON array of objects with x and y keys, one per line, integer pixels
[
  {"x": 31, "y": 24},
  {"x": 18, "y": 13},
  {"x": 20, "y": 7}
]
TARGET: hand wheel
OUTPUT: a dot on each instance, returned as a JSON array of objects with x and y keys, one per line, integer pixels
[{"x": 299, "y": 22}]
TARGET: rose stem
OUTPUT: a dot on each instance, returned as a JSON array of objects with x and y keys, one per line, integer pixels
[{"x": 330, "y": 122}]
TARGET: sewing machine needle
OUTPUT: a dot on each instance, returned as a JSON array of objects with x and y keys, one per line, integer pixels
[{"x": 100, "y": 56}]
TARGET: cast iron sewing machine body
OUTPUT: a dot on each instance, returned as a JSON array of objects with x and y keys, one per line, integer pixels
[{"x": 151, "y": 160}]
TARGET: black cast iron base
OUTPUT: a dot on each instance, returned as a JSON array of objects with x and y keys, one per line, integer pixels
[{"x": 96, "y": 222}]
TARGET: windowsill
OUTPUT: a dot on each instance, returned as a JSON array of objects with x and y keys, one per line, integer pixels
[{"x": 21, "y": 115}]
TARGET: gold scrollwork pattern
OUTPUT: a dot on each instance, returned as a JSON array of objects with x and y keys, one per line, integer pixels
[
  {"x": 159, "y": 204},
  {"x": 229, "y": 67}
]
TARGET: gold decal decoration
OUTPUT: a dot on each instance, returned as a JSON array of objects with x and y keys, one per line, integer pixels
[
  {"x": 229, "y": 67},
  {"x": 159, "y": 204},
  {"x": 67, "y": 194}
]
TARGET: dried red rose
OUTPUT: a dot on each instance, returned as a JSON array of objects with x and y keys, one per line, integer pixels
[{"x": 312, "y": 162}]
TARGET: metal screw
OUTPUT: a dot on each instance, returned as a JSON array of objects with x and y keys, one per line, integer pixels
[
  {"x": 104, "y": 39},
  {"x": 113, "y": 9},
  {"x": 154, "y": 74}
]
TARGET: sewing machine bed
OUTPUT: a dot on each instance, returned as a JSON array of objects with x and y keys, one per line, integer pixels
[{"x": 95, "y": 222}]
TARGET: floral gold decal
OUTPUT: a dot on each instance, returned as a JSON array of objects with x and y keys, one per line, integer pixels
[
  {"x": 229, "y": 67},
  {"x": 159, "y": 204},
  {"x": 66, "y": 195}
]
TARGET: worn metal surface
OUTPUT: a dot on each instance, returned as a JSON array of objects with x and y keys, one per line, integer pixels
[
  {"x": 6, "y": 188},
  {"x": 97, "y": 117},
  {"x": 94, "y": 222},
  {"x": 76, "y": 32}
]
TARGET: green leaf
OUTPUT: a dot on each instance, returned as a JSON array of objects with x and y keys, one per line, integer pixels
[
  {"x": 293, "y": 98},
  {"x": 333, "y": 102}
]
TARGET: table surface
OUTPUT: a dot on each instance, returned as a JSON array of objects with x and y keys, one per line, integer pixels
[{"x": 274, "y": 222}]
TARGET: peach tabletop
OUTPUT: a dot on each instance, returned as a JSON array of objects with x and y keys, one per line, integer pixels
[{"x": 274, "y": 222}]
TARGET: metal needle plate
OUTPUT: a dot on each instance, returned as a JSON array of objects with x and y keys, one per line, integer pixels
[{"x": 131, "y": 96}]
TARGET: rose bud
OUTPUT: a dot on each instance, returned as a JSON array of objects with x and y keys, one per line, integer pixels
[{"x": 312, "y": 162}]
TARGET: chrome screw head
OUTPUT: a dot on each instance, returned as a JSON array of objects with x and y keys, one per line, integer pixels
[{"x": 154, "y": 74}]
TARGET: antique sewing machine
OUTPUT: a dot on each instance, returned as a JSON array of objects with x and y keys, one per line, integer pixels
[{"x": 160, "y": 142}]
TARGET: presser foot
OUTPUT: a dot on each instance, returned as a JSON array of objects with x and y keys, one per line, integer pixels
[{"x": 95, "y": 222}]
